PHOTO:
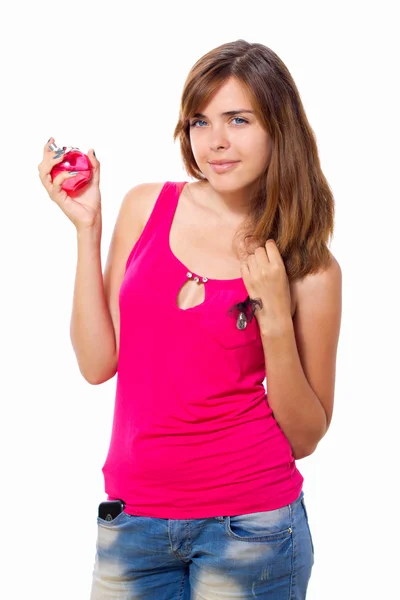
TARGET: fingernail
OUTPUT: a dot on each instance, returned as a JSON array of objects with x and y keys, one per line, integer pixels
[
  {"x": 94, "y": 154},
  {"x": 73, "y": 173},
  {"x": 48, "y": 139}
]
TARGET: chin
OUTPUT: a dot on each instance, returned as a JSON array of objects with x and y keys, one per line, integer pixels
[{"x": 228, "y": 182}]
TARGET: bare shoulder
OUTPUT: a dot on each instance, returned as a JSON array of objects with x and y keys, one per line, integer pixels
[
  {"x": 326, "y": 282},
  {"x": 134, "y": 212},
  {"x": 139, "y": 201}
]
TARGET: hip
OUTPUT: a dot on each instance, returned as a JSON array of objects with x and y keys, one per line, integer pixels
[{"x": 268, "y": 554}]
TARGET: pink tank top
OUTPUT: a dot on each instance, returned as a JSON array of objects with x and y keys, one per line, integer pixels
[{"x": 193, "y": 435}]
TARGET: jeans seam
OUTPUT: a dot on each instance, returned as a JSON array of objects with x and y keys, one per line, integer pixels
[
  {"x": 181, "y": 586},
  {"x": 293, "y": 552},
  {"x": 308, "y": 525}
]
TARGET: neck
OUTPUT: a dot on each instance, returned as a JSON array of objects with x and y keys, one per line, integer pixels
[{"x": 235, "y": 203}]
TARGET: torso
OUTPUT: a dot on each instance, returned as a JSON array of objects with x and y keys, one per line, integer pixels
[{"x": 200, "y": 240}]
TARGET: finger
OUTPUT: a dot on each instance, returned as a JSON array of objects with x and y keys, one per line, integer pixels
[
  {"x": 46, "y": 149},
  {"x": 252, "y": 261},
  {"x": 261, "y": 257},
  {"x": 50, "y": 159},
  {"x": 245, "y": 271},
  {"x": 272, "y": 252},
  {"x": 95, "y": 166},
  {"x": 48, "y": 163},
  {"x": 45, "y": 178},
  {"x": 93, "y": 158},
  {"x": 52, "y": 154},
  {"x": 56, "y": 156},
  {"x": 61, "y": 177}
]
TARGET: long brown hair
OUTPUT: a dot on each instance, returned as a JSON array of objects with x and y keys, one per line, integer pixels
[{"x": 293, "y": 203}]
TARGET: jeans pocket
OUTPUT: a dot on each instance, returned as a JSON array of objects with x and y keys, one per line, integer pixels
[
  {"x": 307, "y": 523},
  {"x": 267, "y": 526},
  {"x": 118, "y": 519}
]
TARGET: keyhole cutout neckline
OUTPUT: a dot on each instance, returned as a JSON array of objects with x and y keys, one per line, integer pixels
[
  {"x": 184, "y": 268},
  {"x": 187, "y": 285}
]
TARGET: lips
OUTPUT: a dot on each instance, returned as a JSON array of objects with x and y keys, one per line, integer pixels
[
  {"x": 223, "y": 166},
  {"x": 222, "y": 162}
]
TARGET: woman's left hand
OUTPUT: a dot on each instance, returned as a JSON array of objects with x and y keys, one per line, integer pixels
[{"x": 265, "y": 278}]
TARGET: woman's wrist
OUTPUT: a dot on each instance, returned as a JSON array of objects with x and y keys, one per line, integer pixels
[{"x": 90, "y": 232}]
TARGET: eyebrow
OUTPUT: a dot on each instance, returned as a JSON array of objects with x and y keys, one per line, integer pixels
[{"x": 229, "y": 113}]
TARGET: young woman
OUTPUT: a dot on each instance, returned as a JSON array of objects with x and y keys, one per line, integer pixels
[{"x": 210, "y": 287}]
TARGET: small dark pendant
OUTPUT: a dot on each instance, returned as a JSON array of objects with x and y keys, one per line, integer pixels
[{"x": 241, "y": 322}]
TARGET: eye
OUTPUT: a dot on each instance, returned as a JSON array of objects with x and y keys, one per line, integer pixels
[
  {"x": 194, "y": 123},
  {"x": 239, "y": 119}
]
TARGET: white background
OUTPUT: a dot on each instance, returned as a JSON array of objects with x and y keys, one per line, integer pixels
[{"x": 108, "y": 75}]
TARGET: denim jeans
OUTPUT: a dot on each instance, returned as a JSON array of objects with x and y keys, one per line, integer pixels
[{"x": 264, "y": 555}]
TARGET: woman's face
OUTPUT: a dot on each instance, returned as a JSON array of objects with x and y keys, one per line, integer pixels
[{"x": 227, "y": 129}]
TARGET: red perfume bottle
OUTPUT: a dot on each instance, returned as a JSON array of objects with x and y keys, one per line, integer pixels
[{"x": 74, "y": 160}]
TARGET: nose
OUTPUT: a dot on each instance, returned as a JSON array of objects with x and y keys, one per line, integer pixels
[{"x": 218, "y": 139}]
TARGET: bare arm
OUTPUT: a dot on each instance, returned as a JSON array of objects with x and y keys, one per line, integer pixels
[
  {"x": 301, "y": 361},
  {"x": 92, "y": 330},
  {"x": 95, "y": 320}
]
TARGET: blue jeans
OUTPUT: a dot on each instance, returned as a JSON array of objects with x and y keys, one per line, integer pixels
[{"x": 266, "y": 555}]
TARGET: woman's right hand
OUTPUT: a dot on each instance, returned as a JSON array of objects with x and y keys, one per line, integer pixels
[{"x": 85, "y": 209}]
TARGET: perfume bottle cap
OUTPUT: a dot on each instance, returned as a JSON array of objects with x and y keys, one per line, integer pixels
[{"x": 66, "y": 149}]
